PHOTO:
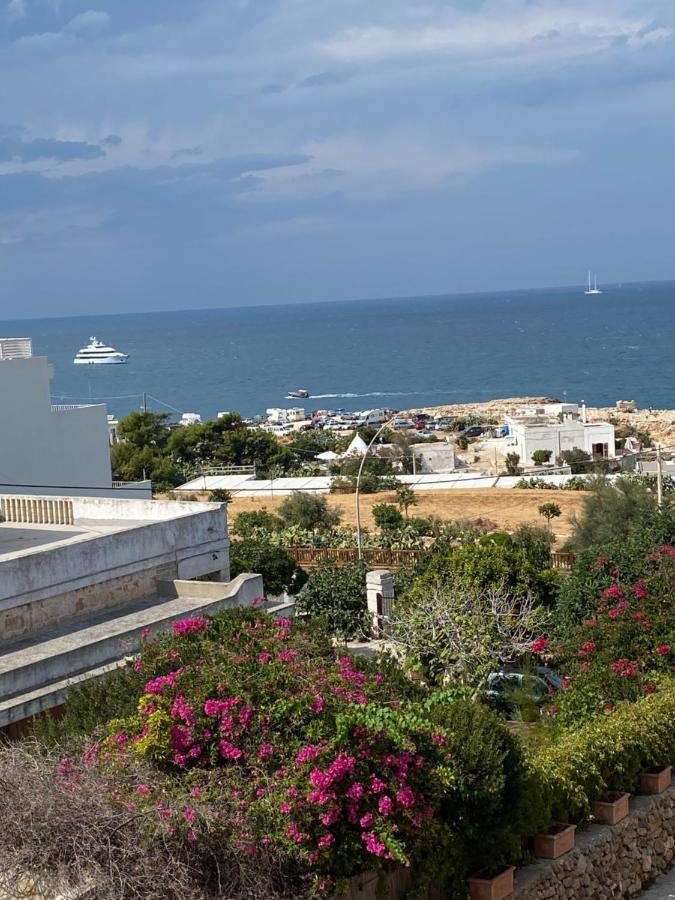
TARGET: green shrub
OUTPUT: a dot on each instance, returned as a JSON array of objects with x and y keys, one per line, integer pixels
[
  {"x": 607, "y": 754},
  {"x": 387, "y": 516},
  {"x": 247, "y": 524},
  {"x": 534, "y": 542},
  {"x": 499, "y": 799},
  {"x": 309, "y": 511},
  {"x": 89, "y": 705},
  {"x": 338, "y": 595},
  {"x": 277, "y": 567}
]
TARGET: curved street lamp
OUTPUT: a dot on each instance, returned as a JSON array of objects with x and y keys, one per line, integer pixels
[{"x": 358, "y": 482}]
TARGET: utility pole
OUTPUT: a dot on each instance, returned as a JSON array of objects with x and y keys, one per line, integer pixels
[
  {"x": 659, "y": 477},
  {"x": 145, "y": 402}
]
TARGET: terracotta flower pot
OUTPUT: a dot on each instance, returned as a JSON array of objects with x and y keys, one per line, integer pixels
[
  {"x": 559, "y": 839},
  {"x": 497, "y": 887},
  {"x": 656, "y": 780},
  {"x": 612, "y": 808}
]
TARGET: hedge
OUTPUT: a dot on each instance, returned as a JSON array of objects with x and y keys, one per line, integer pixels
[{"x": 607, "y": 754}]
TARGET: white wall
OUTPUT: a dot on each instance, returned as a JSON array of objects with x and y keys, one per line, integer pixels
[
  {"x": 560, "y": 437},
  {"x": 41, "y": 446}
]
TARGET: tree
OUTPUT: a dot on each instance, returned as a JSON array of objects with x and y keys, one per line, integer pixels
[
  {"x": 220, "y": 496},
  {"x": 277, "y": 567},
  {"x": 141, "y": 452},
  {"x": 539, "y": 457},
  {"x": 256, "y": 520},
  {"x": 611, "y": 511},
  {"x": 459, "y": 634},
  {"x": 512, "y": 462},
  {"x": 578, "y": 461},
  {"x": 144, "y": 429},
  {"x": 337, "y": 594},
  {"x": 549, "y": 511},
  {"x": 405, "y": 498},
  {"x": 309, "y": 511},
  {"x": 387, "y": 517}
]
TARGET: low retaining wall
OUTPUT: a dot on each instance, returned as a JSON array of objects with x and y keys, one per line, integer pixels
[{"x": 609, "y": 861}]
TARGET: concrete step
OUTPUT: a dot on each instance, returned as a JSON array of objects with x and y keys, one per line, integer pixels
[{"x": 48, "y": 658}]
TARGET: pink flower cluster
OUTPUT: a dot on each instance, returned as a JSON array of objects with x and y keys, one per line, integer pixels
[
  {"x": 190, "y": 625},
  {"x": 626, "y": 668},
  {"x": 162, "y": 682}
]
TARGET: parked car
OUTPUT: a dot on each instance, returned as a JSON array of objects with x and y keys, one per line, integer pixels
[
  {"x": 519, "y": 693},
  {"x": 473, "y": 431}
]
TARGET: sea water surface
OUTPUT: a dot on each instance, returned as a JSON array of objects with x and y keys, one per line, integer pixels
[{"x": 398, "y": 353}]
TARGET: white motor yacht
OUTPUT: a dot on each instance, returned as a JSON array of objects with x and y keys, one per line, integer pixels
[{"x": 97, "y": 354}]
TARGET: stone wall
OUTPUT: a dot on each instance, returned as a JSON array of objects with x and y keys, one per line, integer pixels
[
  {"x": 19, "y": 621},
  {"x": 609, "y": 861}
]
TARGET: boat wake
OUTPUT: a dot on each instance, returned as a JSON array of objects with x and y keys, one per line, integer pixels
[{"x": 368, "y": 394}]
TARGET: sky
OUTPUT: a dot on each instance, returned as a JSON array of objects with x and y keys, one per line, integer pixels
[{"x": 157, "y": 154}]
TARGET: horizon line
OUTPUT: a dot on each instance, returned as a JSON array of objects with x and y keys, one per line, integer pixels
[{"x": 296, "y": 303}]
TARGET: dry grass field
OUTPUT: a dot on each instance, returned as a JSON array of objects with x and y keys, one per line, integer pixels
[{"x": 506, "y": 507}]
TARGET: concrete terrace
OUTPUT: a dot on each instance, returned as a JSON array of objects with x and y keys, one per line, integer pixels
[
  {"x": 81, "y": 578},
  {"x": 17, "y": 540}
]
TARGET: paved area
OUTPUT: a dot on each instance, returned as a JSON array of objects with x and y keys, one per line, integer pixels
[
  {"x": 14, "y": 539},
  {"x": 663, "y": 889},
  {"x": 27, "y": 537}
]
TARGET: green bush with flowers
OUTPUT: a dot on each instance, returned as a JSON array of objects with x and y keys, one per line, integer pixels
[
  {"x": 316, "y": 758},
  {"x": 625, "y": 648}
]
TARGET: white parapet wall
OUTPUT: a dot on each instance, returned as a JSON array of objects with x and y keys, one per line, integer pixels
[{"x": 108, "y": 552}]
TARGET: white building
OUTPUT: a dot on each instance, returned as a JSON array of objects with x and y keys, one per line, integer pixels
[
  {"x": 530, "y": 433},
  {"x": 190, "y": 418},
  {"x": 549, "y": 409},
  {"x": 47, "y": 449}
]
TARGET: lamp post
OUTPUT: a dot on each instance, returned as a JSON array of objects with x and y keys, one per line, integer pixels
[{"x": 358, "y": 482}]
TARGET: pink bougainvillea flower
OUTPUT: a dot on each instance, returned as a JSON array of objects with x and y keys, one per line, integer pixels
[
  {"x": 190, "y": 625},
  {"x": 663, "y": 649},
  {"x": 539, "y": 645}
]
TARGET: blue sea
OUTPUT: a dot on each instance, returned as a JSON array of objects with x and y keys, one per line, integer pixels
[{"x": 398, "y": 353}]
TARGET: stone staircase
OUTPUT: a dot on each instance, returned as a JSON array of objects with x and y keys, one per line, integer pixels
[{"x": 36, "y": 671}]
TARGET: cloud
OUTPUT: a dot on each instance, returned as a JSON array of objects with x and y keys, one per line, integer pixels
[
  {"x": 397, "y": 163},
  {"x": 62, "y": 223},
  {"x": 14, "y": 149},
  {"x": 496, "y": 30},
  {"x": 89, "y": 24},
  {"x": 16, "y": 10},
  {"x": 113, "y": 140},
  {"x": 186, "y": 152}
]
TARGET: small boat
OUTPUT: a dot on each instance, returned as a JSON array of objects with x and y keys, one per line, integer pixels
[
  {"x": 297, "y": 395},
  {"x": 595, "y": 289},
  {"x": 96, "y": 353}
]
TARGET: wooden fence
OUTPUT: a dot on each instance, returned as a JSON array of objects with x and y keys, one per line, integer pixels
[
  {"x": 308, "y": 557},
  {"x": 564, "y": 561}
]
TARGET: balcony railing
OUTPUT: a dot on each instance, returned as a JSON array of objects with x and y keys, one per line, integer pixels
[{"x": 64, "y": 407}]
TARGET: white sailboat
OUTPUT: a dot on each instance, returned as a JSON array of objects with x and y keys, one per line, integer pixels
[{"x": 595, "y": 289}]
